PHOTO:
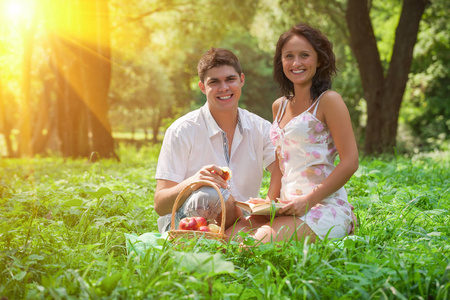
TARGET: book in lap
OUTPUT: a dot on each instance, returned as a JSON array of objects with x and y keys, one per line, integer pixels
[{"x": 260, "y": 208}]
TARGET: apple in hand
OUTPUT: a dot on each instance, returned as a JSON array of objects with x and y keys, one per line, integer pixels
[
  {"x": 204, "y": 228},
  {"x": 226, "y": 173},
  {"x": 214, "y": 228},
  {"x": 188, "y": 224},
  {"x": 201, "y": 221}
]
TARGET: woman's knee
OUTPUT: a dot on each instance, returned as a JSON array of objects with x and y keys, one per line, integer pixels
[{"x": 285, "y": 228}]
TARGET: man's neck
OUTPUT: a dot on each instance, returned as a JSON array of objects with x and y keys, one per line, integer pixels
[{"x": 226, "y": 120}]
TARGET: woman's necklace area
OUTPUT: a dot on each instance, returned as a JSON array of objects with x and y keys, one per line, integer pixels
[{"x": 298, "y": 107}]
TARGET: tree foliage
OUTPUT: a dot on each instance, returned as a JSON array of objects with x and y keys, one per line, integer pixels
[
  {"x": 427, "y": 112},
  {"x": 159, "y": 62}
]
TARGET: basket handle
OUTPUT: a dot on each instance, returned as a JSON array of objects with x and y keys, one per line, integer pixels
[{"x": 186, "y": 188}]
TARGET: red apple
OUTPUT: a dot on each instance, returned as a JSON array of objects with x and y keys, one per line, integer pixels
[
  {"x": 213, "y": 228},
  {"x": 226, "y": 173},
  {"x": 188, "y": 224},
  {"x": 201, "y": 221},
  {"x": 203, "y": 228}
]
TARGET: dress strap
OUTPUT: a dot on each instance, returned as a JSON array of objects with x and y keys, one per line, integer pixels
[
  {"x": 281, "y": 110},
  {"x": 317, "y": 103}
]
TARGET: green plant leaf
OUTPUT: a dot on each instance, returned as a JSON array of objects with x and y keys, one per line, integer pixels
[
  {"x": 73, "y": 202},
  {"x": 100, "y": 192},
  {"x": 204, "y": 263},
  {"x": 110, "y": 282},
  {"x": 35, "y": 257},
  {"x": 20, "y": 276}
]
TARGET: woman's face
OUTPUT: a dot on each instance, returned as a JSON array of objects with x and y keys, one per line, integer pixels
[{"x": 300, "y": 60}]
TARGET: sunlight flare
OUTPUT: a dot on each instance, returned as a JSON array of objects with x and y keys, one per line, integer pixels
[{"x": 17, "y": 11}]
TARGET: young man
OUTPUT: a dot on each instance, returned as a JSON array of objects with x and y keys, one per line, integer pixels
[{"x": 218, "y": 134}]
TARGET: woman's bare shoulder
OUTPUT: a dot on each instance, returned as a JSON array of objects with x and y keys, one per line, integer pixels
[
  {"x": 277, "y": 102},
  {"x": 331, "y": 96},
  {"x": 332, "y": 106},
  {"x": 276, "y": 105},
  {"x": 331, "y": 100}
]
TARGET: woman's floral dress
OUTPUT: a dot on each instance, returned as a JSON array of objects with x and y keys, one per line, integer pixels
[{"x": 306, "y": 153}]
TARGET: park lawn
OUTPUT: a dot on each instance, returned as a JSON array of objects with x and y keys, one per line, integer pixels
[{"x": 63, "y": 225}]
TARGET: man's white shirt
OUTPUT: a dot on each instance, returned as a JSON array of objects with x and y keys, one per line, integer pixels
[{"x": 195, "y": 140}]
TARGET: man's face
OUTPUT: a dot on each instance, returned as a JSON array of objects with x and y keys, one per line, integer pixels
[{"x": 222, "y": 87}]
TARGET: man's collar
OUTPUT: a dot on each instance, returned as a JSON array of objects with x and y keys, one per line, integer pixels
[
  {"x": 213, "y": 127},
  {"x": 211, "y": 124}
]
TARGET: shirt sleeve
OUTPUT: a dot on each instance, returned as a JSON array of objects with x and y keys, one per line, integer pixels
[
  {"x": 174, "y": 155},
  {"x": 269, "y": 148}
]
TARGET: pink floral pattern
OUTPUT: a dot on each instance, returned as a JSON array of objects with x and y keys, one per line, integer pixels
[
  {"x": 315, "y": 214},
  {"x": 306, "y": 153}
]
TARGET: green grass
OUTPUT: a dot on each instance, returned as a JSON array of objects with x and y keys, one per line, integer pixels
[{"x": 63, "y": 226}]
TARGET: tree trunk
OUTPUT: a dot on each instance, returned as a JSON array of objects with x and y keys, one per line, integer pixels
[
  {"x": 64, "y": 118},
  {"x": 6, "y": 125},
  {"x": 25, "y": 146},
  {"x": 402, "y": 56},
  {"x": 97, "y": 74},
  {"x": 383, "y": 95},
  {"x": 82, "y": 130},
  {"x": 71, "y": 110},
  {"x": 67, "y": 65},
  {"x": 155, "y": 128},
  {"x": 42, "y": 120}
]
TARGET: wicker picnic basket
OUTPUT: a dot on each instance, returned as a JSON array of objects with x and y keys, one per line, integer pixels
[{"x": 177, "y": 233}]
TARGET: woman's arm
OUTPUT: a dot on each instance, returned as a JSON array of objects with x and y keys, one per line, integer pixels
[
  {"x": 275, "y": 180},
  {"x": 336, "y": 116},
  {"x": 274, "y": 168}
]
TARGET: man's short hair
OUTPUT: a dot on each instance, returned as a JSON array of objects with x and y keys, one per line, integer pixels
[{"x": 217, "y": 57}]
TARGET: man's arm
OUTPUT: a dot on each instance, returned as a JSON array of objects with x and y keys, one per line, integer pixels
[{"x": 165, "y": 195}]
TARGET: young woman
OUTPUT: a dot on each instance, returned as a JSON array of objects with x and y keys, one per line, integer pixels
[{"x": 311, "y": 127}]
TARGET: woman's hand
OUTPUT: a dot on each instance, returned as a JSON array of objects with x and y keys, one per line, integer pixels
[{"x": 295, "y": 206}]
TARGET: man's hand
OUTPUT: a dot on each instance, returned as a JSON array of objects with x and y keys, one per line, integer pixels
[
  {"x": 226, "y": 173},
  {"x": 167, "y": 191},
  {"x": 211, "y": 173}
]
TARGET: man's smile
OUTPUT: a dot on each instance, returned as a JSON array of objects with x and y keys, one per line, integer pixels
[{"x": 226, "y": 97}]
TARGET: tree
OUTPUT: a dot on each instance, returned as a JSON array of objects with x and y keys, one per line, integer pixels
[
  {"x": 156, "y": 77},
  {"x": 96, "y": 75},
  {"x": 79, "y": 32},
  {"x": 141, "y": 94},
  {"x": 427, "y": 110},
  {"x": 383, "y": 93},
  {"x": 25, "y": 145},
  {"x": 6, "y": 123}
]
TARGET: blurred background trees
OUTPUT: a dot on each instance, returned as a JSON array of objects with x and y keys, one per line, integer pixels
[{"x": 74, "y": 74}]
